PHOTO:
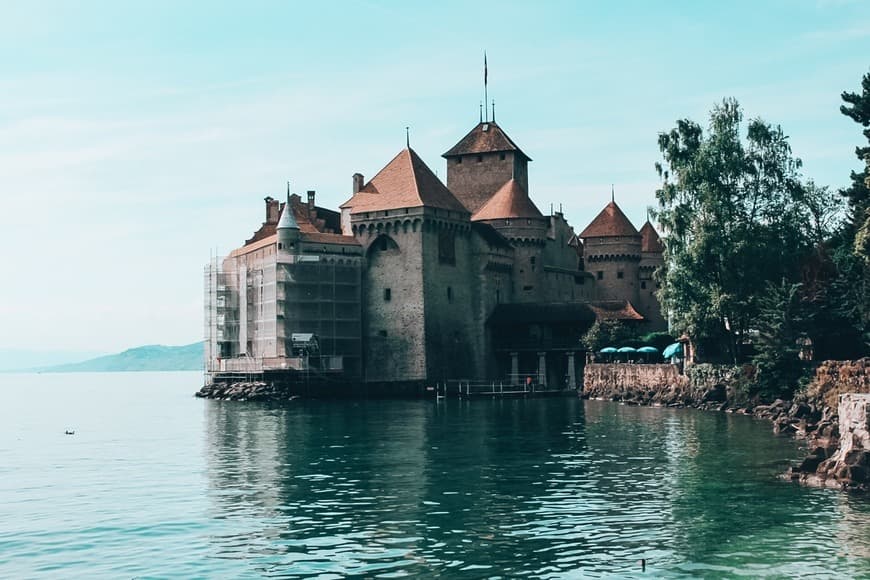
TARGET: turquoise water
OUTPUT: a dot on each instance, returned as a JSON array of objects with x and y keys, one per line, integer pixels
[{"x": 156, "y": 483}]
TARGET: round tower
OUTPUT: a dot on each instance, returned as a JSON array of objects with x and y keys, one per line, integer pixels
[
  {"x": 287, "y": 229},
  {"x": 612, "y": 254}
]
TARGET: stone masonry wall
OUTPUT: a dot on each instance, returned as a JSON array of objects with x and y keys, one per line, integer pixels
[{"x": 705, "y": 386}]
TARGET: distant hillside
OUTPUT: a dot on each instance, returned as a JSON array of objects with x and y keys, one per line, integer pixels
[{"x": 143, "y": 358}]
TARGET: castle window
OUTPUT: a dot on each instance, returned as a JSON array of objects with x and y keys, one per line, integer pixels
[
  {"x": 388, "y": 294},
  {"x": 280, "y": 246},
  {"x": 501, "y": 156},
  {"x": 643, "y": 284},
  {"x": 450, "y": 295},
  {"x": 600, "y": 275},
  {"x": 620, "y": 275},
  {"x": 382, "y": 333},
  {"x": 498, "y": 296},
  {"x": 528, "y": 288},
  {"x": 384, "y": 243},
  {"x": 479, "y": 158},
  {"x": 459, "y": 159}
]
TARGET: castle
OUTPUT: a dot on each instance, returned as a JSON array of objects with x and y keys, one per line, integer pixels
[{"x": 415, "y": 281}]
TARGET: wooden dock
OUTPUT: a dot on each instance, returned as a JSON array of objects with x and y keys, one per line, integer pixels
[{"x": 495, "y": 390}]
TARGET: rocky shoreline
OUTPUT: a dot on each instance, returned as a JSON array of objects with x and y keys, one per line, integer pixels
[
  {"x": 245, "y": 391},
  {"x": 834, "y": 461}
]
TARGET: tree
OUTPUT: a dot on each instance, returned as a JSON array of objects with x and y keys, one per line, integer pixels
[
  {"x": 851, "y": 248},
  {"x": 857, "y": 108},
  {"x": 736, "y": 218},
  {"x": 779, "y": 327},
  {"x": 608, "y": 332}
]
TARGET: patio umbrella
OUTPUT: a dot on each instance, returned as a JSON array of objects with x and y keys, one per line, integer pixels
[
  {"x": 607, "y": 350},
  {"x": 625, "y": 349},
  {"x": 648, "y": 352},
  {"x": 673, "y": 350}
]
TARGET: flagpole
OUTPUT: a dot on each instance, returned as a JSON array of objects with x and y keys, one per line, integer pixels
[{"x": 485, "y": 92}]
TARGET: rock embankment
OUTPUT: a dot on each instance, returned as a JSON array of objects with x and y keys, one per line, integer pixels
[
  {"x": 814, "y": 414},
  {"x": 244, "y": 391}
]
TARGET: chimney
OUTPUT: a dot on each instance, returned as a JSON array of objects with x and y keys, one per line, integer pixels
[
  {"x": 310, "y": 200},
  {"x": 272, "y": 210},
  {"x": 358, "y": 180}
]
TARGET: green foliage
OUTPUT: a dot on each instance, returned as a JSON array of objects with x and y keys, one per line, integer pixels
[
  {"x": 737, "y": 218},
  {"x": 605, "y": 333},
  {"x": 780, "y": 323},
  {"x": 660, "y": 340},
  {"x": 857, "y": 108}
]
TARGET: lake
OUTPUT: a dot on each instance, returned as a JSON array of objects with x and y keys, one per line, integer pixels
[{"x": 156, "y": 483}]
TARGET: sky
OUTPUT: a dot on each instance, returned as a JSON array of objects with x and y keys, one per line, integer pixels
[{"x": 138, "y": 139}]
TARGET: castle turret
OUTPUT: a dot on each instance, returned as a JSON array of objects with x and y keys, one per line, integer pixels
[
  {"x": 612, "y": 253},
  {"x": 652, "y": 258},
  {"x": 287, "y": 229}
]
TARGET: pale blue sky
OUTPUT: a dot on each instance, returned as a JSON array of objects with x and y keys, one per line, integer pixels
[{"x": 135, "y": 138}]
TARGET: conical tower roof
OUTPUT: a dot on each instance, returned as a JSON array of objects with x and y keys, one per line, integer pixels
[
  {"x": 288, "y": 220},
  {"x": 609, "y": 223},
  {"x": 651, "y": 242},
  {"x": 405, "y": 182},
  {"x": 486, "y": 137},
  {"x": 510, "y": 201}
]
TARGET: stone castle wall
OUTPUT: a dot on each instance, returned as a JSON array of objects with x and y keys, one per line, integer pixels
[
  {"x": 454, "y": 343},
  {"x": 611, "y": 257},
  {"x": 473, "y": 182},
  {"x": 393, "y": 329}
]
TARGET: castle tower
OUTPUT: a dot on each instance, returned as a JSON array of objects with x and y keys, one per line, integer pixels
[
  {"x": 612, "y": 253},
  {"x": 652, "y": 258},
  {"x": 287, "y": 229},
  {"x": 417, "y": 295},
  {"x": 483, "y": 161},
  {"x": 514, "y": 215}
]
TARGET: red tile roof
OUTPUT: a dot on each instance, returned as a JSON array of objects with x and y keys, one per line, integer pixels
[
  {"x": 405, "y": 182},
  {"x": 321, "y": 238},
  {"x": 610, "y": 222},
  {"x": 485, "y": 138},
  {"x": 324, "y": 220},
  {"x": 651, "y": 241},
  {"x": 510, "y": 201},
  {"x": 615, "y": 310}
]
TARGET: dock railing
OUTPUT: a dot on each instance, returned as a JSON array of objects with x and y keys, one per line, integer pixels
[{"x": 466, "y": 389}]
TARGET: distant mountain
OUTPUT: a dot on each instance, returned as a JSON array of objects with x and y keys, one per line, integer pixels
[
  {"x": 19, "y": 359},
  {"x": 154, "y": 357}
]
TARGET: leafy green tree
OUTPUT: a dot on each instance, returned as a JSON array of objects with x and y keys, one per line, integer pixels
[
  {"x": 779, "y": 324},
  {"x": 857, "y": 108},
  {"x": 736, "y": 218},
  {"x": 607, "y": 332}
]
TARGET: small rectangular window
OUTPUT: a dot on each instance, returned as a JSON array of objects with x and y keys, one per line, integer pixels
[
  {"x": 382, "y": 333},
  {"x": 479, "y": 158},
  {"x": 600, "y": 275},
  {"x": 528, "y": 288},
  {"x": 459, "y": 160},
  {"x": 450, "y": 294},
  {"x": 388, "y": 294},
  {"x": 501, "y": 156},
  {"x": 620, "y": 275}
]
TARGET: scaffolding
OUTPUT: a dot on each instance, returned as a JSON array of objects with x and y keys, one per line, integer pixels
[{"x": 253, "y": 307}]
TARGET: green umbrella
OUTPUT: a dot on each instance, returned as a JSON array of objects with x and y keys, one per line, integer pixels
[
  {"x": 673, "y": 350},
  {"x": 625, "y": 349},
  {"x": 649, "y": 349},
  {"x": 607, "y": 350}
]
